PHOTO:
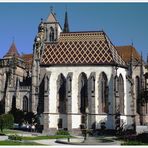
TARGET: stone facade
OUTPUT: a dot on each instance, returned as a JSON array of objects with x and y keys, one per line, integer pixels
[
  {"x": 75, "y": 79},
  {"x": 84, "y": 88},
  {"x": 15, "y": 81}
]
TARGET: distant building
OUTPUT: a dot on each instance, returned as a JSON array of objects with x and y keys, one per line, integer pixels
[{"x": 15, "y": 80}]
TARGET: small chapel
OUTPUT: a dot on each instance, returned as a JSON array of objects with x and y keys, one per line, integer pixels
[
  {"x": 81, "y": 78},
  {"x": 76, "y": 79}
]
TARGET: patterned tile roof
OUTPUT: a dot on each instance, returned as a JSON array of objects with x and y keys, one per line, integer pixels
[
  {"x": 81, "y": 48},
  {"x": 126, "y": 53},
  {"x": 12, "y": 51}
]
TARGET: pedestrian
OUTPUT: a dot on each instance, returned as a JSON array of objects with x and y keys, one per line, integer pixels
[{"x": 33, "y": 128}]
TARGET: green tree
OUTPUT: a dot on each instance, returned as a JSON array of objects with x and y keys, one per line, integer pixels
[{"x": 6, "y": 121}]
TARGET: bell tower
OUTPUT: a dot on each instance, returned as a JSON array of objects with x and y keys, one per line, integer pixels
[{"x": 53, "y": 28}]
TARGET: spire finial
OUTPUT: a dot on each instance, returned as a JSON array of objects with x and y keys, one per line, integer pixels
[
  {"x": 66, "y": 25},
  {"x": 51, "y": 9},
  {"x": 132, "y": 44}
]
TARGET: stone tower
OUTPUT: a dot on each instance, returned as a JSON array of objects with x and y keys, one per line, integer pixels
[
  {"x": 48, "y": 32},
  {"x": 53, "y": 28},
  {"x": 12, "y": 71}
]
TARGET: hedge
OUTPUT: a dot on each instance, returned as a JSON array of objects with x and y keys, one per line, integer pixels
[
  {"x": 6, "y": 121},
  {"x": 15, "y": 137}
]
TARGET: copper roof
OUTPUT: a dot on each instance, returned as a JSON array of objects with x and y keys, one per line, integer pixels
[
  {"x": 126, "y": 53},
  {"x": 81, "y": 48},
  {"x": 12, "y": 51}
]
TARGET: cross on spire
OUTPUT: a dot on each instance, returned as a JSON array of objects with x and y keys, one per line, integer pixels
[{"x": 51, "y": 9}]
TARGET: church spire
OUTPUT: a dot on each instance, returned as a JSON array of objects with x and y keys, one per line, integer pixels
[{"x": 66, "y": 25}]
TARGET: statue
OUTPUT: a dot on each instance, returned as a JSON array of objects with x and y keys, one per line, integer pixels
[{"x": 39, "y": 38}]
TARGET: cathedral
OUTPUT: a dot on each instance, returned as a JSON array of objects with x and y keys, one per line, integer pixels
[{"x": 74, "y": 79}]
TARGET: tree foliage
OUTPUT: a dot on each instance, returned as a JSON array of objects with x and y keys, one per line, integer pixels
[{"x": 6, "y": 121}]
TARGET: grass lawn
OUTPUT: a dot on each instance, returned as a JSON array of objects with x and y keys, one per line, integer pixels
[
  {"x": 132, "y": 142},
  {"x": 9, "y": 131},
  {"x": 9, "y": 142},
  {"x": 46, "y": 137},
  {"x": 26, "y": 140}
]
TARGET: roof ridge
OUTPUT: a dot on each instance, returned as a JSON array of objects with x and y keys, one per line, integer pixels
[{"x": 119, "y": 59}]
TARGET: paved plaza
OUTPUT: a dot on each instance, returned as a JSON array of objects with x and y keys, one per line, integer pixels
[{"x": 78, "y": 140}]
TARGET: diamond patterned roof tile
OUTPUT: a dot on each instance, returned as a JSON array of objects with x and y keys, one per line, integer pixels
[{"x": 81, "y": 48}]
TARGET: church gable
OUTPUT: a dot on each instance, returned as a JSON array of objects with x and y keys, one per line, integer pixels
[
  {"x": 81, "y": 48},
  {"x": 51, "y": 18}
]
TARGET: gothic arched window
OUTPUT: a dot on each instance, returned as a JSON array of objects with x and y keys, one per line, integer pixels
[
  {"x": 25, "y": 104},
  {"x": 121, "y": 94},
  {"x": 51, "y": 34},
  {"x": 62, "y": 94},
  {"x": 104, "y": 92},
  {"x": 83, "y": 93},
  {"x": 13, "y": 102},
  {"x": 137, "y": 90},
  {"x": 92, "y": 84},
  {"x": 83, "y": 96}
]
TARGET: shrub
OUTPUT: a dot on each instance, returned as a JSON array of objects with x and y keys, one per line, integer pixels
[
  {"x": 18, "y": 115},
  {"x": 15, "y": 137},
  {"x": 143, "y": 137},
  {"x": 6, "y": 121},
  {"x": 28, "y": 117},
  {"x": 62, "y": 132}
]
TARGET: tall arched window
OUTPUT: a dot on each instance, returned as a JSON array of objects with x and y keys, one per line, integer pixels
[
  {"x": 104, "y": 92},
  {"x": 92, "y": 84},
  {"x": 51, "y": 34},
  {"x": 25, "y": 104},
  {"x": 137, "y": 90},
  {"x": 83, "y": 93},
  {"x": 83, "y": 96},
  {"x": 121, "y": 94},
  {"x": 62, "y": 94},
  {"x": 13, "y": 102}
]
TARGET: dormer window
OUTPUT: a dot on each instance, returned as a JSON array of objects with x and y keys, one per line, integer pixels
[{"x": 51, "y": 35}]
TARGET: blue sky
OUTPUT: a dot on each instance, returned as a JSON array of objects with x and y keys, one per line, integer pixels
[{"x": 124, "y": 23}]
